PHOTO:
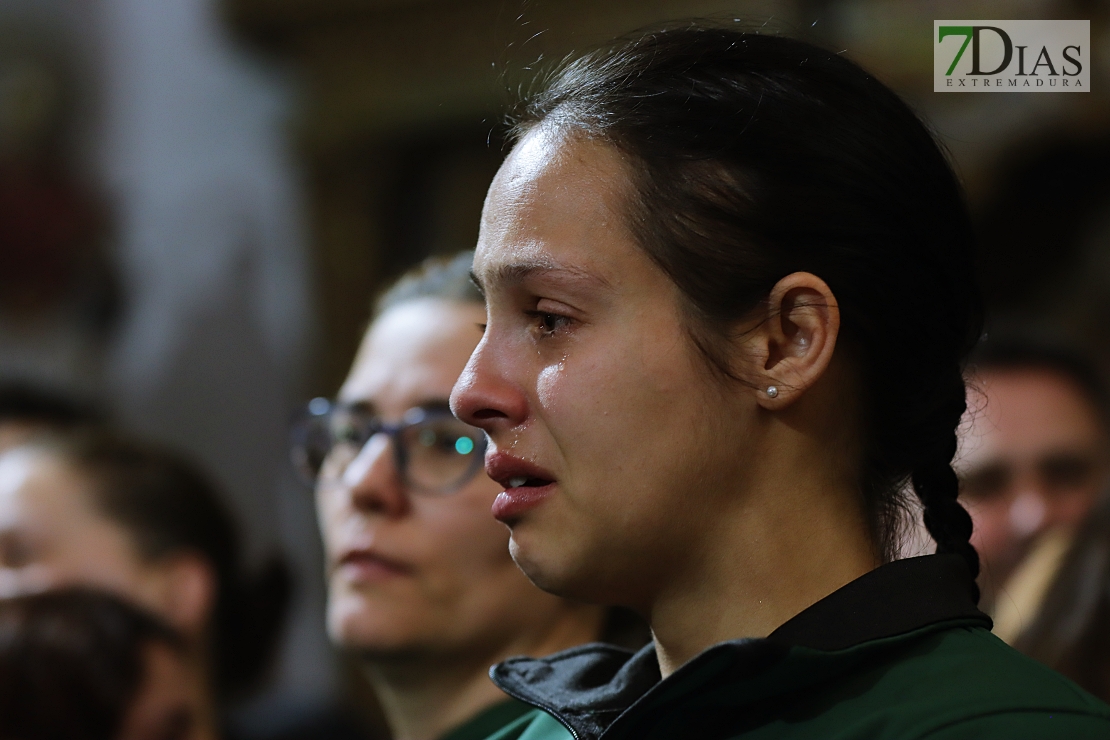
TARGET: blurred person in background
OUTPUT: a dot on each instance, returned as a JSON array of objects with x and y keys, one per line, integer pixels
[
  {"x": 96, "y": 509},
  {"x": 421, "y": 585},
  {"x": 1034, "y": 458},
  {"x": 1070, "y": 627},
  {"x": 78, "y": 664},
  {"x": 1034, "y": 474},
  {"x": 27, "y": 409}
]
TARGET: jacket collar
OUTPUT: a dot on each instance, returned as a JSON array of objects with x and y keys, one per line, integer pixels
[
  {"x": 588, "y": 688},
  {"x": 893, "y": 599}
]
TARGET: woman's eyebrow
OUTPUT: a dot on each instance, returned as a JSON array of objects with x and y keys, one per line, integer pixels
[
  {"x": 368, "y": 408},
  {"x": 514, "y": 273},
  {"x": 436, "y": 404},
  {"x": 359, "y": 405}
]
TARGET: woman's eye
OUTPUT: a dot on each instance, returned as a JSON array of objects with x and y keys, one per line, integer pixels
[
  {"x": 549, "y": 323},
  {"x": 15, "y": 551},
  {"x": 346, "y": 433}
]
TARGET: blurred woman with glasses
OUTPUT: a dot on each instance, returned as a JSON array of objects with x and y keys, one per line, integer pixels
[{"x": 420, "y": 582}]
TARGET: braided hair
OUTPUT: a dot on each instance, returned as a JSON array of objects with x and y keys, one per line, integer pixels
[{"x": 753, "y": 157}]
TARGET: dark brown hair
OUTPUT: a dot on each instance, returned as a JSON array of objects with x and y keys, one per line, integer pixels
[
  {"x": 169, "y": 506},
  {"x": 71, "y": 662},
  {"x": 753, "y": 157},
  {"x": 1029, "y": 349},
  {"x": 447, "y": 278},
  {"x": 31, "y": 403}
]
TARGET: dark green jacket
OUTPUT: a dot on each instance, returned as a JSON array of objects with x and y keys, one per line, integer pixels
[
  {"x": 902, "y": 652},
  {"x": 489, "y": 721}
]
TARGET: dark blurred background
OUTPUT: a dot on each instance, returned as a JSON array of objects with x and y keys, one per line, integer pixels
[{"x": 198, "y": 199}]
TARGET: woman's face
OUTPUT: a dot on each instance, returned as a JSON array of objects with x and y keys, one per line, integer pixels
[
  {"x": 414, "y": 573},
  {"x": 52, "y": 535},
  {"x": 615, "y": 443}
]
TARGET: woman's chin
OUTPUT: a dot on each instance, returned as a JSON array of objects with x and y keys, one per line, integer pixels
[
  {"x": 545, "y": 569},
  {"x": 360, "y": 624}
]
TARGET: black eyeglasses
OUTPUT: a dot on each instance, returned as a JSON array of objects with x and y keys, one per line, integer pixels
[{"x": 434, "y": 451}]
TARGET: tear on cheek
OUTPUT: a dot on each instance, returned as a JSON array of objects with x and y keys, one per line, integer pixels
[{"x": 547, "y": 384}]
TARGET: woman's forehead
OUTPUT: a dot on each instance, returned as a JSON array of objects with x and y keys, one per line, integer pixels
[
  {"x": 556, "y": 208},
  {"x": 19, "y": 465},
  {"x": 548, "y": 168},
  {"x": 33, "y": 476},
  {"x": 413, "y": 353}
]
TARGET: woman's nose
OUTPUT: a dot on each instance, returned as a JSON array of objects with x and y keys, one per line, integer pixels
[
  {"x": 373, "y": 480},
  {"x": 484, "y": 396},
  {"x": 1027, "y": 513}
]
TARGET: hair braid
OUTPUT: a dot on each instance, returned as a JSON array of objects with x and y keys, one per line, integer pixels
[{"x": 938, "y": 488}]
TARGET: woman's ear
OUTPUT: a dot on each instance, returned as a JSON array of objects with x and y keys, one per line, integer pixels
[
  {"x": 794, "y": 342},
  {"x": 188, "y": 592}
]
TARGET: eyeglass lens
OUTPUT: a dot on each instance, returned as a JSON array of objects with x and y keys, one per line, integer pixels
[{"x": 438, "y": 453}]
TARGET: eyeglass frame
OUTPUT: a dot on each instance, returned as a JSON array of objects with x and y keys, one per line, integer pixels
[{"x": 413, "y": 417}]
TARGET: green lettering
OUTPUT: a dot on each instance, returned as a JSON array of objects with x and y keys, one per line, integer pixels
[{"x": 966, "y": 32}]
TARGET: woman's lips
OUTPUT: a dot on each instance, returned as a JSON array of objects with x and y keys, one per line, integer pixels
[
  {"x": 366, "y": 567},
  {"x": 526, "y": 485},
  {"x": 512, "y": 502}
]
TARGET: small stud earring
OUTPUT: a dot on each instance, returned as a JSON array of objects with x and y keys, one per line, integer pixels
[{"x": 772, "y": 391}]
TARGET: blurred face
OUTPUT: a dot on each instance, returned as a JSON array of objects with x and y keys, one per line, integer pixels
[
  {"x": 411, "y": 572},
  {"x": 613, "y": 442},
  {"x": 1033, "y": 457},
  {"x": 15, "y": 432},
  {"x": 50, "y": 534}
]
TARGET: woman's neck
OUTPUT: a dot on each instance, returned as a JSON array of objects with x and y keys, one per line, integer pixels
[
  {"x": 784, "y": 543},
  {"x": 205, "y": 720},
  {"x": 424, "y": 697},
  {"x": 423, "y": 702}
]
